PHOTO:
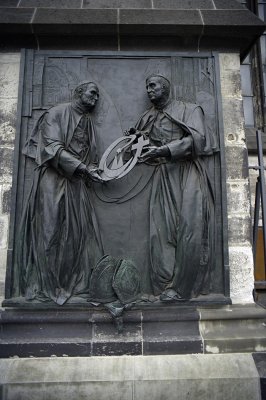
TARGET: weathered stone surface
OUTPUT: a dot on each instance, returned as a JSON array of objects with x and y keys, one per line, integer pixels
[
  {"x": 253, "y": 175},
  {"x": 137, "y": 378},
  {"x": 8, "y": 114},
  {"x": 236, "y": 162},
  {"x": 184, "y": 4},
  {"x": 7, "y": 131},
  {"x": 16, "y": 15},
  {"x": 71, "y": 391},
  {"x": 9, "y": 75},
  {"x": 229, "y": 62},
  {"x": 239, "y": 229},
  {"x": 238, "y": 20},
  {"x": 6, "y": 199},
  {"x": 6, "y": 157},
  {"x": 3, "y": 231},
  {"x": 241, "y": 274},
  {"x": 78, "y": 21},
  {"x": 233, "y": 329},
  {"x": 238, "y": 197},
  {"x": 79, "y": 42},
  {"x": 213, "y": 25},
  {"x": 233, "y": 121},
  {"x": 3, "y": 256},
  {"x": 231, "y": 84},
  {"x": 228, "y": 4},
  {"x": 51, "y": 3},
  {"x": 225, "y": 336},
  {"x": 171, "y": 338},
  {"x": 168, "y": 43},
  {"x": 160, "y": 22},
  {"x": 87, "y": 369},
  {"x": 106, "y": 340},
  {"x": 260, "y": 361},
  {"x": 117, "y": 4},
  {"x": 236, "y": 312},
  {"x": 9, "y": 3}
]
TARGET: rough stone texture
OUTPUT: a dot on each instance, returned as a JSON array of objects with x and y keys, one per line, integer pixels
[
  {"x": 236, "y": 162},
  {"x": 239, "y": 230},
  {"x": 238, "y": 197},
  {"x": 260, "y": 361},
  {"x": 169, "y": 330},
  {"x": 51, "y": 3},
  {"x": 233, "y": 329},
  {"x": 117, "y": 4},
  {"x": 9, "y": 76},
  {"x": 194, "y": 25},
  {"x": 234, "y": 123},
  {"x": 239, "y": 216},
  {"x": 187, "y": 377},
  {"x": 184, "y": 4},
  {"x": 241, "y": 274},
  {"x": 253, "y": 175}
]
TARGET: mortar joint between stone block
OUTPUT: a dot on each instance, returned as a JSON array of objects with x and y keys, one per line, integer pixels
[
  {"x": 118, "y": 29},
  {"x": 202, "y": 30},
  {"x": 33, "y": 16}
]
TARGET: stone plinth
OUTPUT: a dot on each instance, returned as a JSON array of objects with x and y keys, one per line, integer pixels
[
  {"x": 230, "y": 377},
  {"x": 190, "y": 329}
]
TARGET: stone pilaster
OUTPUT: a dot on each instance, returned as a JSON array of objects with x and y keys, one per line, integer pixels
[
  {"x": 9, "y": 79},
  {"x": 238, "y": 191}
]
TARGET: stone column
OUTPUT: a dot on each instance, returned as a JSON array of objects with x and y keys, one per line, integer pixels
[
  {"x": 9, "y": 79},
  {"x": 238, "y": 190}
]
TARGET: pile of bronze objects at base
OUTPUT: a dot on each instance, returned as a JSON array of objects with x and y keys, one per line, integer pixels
[{"x": 115, "y": 283}]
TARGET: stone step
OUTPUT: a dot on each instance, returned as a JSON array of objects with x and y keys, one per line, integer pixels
[{"x": 171, "y": 377}]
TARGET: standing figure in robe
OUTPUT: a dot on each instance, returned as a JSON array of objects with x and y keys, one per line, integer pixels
[
  {"x": 59, "y": 241},
  {"x": 181, "y": 204}
]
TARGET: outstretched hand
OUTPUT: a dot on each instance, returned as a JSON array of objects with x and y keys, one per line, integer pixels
[
  {"x": 151, "y": 152},
  {"x": 154, "y": 152},
  {"x": 130, "y": 131},
  {"x": 93, "y": 174},
  {"x": 134, "y": 131},
  {"x": 89, "y": 174}
]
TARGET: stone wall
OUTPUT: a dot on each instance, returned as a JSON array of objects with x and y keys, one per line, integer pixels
[{"x": 239, "y": 221}]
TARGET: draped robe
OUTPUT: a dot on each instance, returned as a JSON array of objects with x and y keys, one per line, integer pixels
[
  {"x": 59, "y": 240},
  {"x": 181, "y": 204}
]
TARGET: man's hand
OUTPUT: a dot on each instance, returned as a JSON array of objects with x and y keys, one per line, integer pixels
[
  {"x": 130, "y": 131},
  {"x": 90, "y": 173},
  {"x": 154, "y": 152},
  {"x": 134, "y": 131},
  {"x": 93, "y": 174}
]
